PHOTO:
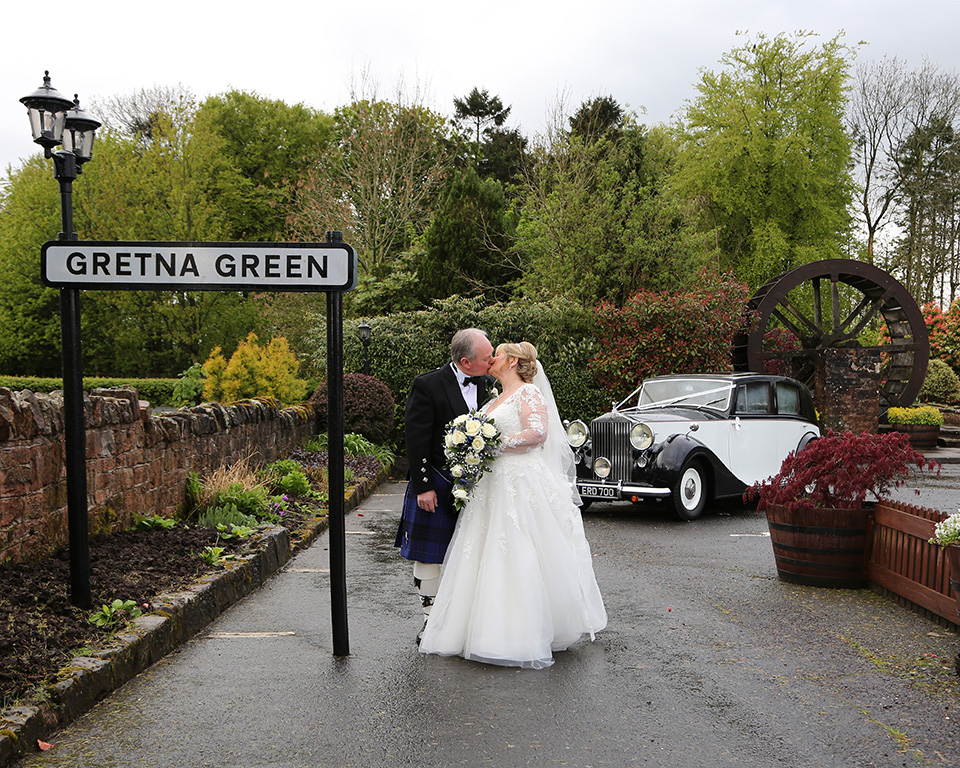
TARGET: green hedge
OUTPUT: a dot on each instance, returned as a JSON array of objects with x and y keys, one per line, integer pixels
[
  {"x": 156, "y": 391},
  {"x": 409, "y": 343},
  {"x": 942, "y": 385},
  {"x": 586, "y": 374}
]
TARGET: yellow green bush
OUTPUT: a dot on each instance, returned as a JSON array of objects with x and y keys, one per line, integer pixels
[
  {"x": 254, "y": 371},
  {"x": 924, "y": 414}
]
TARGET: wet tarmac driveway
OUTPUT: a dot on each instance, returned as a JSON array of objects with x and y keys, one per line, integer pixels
[{"x": 708, "y": 660}]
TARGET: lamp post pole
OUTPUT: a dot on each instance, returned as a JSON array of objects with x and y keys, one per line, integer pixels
[
  {"x": 365, "y": 332},
  {"x": 74, "y": 428},
  {"x": 55, "y": 120}
]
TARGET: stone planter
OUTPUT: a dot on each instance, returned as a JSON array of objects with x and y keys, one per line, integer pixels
[
  {"x": 820, "y": 547},
  {"x": 921, "y": 436}
]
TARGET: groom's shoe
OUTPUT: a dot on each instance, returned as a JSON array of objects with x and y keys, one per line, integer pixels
[
  {"x": 427, "y": 602},
  {"x": 420, "y": 633}
]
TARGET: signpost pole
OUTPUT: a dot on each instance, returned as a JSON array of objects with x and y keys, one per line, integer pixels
[{"x": 338, "y": 549}]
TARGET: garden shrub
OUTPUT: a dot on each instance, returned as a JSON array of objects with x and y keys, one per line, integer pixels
[
  {"x": 841, "y": 471},
  {"x": 368, "y": 407},
  {"x": 661, "y": 333},
  {"x": 294, "y": 483},
  {"x": 924, "y": 415},
  {"x": 189, "y": 387},
  {"x": 155, "y": 391},
  {"x": 942, "y": 385},
  {"x": 699, "y": 324},
  {"x": 250, "y": 500},
  {"x": 272, "y": 473},
  {"x": 254, "y": 371},
  {"x": 944, "y": 332},
  {"x": 780, "y": 340},
  {"x": 353, "y": 445},
  {"x": 226, "y": 514},
  {"x": 407, "y": 344},
  {"x": 236, "y": 486},
  {"x": 574, "y": 386}
]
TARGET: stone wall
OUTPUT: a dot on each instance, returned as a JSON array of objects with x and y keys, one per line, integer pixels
[
  {"x": 847, "y": 389},
  {"x": 137, "y": 463}
]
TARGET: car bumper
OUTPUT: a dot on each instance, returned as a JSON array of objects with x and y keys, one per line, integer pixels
[{"x": 618, "y": 491}]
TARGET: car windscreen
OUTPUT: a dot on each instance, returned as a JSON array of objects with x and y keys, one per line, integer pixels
[{"x": 705, "y": 393}]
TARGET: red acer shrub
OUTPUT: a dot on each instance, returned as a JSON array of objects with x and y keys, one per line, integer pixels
[{"x": 841, "y": 471}]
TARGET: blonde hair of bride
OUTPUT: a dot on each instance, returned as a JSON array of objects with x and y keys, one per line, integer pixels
[{"x": 526, "y": 355}]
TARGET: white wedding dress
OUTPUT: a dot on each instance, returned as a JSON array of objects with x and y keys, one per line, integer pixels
[{"x": 517, "y": 581}]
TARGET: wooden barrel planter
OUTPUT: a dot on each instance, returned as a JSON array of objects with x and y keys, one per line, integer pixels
[
  {"x": 921, "y": 436},
  {"x": 820, "y": 547}
]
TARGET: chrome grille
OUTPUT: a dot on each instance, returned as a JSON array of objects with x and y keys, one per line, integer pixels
[{"x": 611, "y": 439}]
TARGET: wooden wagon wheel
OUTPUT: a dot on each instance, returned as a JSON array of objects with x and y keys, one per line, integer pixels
[{"x": 809, "y": 302}]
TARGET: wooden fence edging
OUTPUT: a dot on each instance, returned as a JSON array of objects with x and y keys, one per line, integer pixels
[{"x": 901, "y": 559}]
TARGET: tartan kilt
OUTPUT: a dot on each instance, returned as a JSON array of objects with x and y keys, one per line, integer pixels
[{"x": 423, "y": 536}]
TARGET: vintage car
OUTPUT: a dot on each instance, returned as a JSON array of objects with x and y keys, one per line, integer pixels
[{"x": 692, "y": 438}]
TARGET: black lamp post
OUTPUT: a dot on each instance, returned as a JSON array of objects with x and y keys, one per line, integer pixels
[
  {"x": 56, "y": 120},
  {"x": 364, "y": 331}
]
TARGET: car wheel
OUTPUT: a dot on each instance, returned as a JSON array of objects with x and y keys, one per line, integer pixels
[
  {"x": 585, "y": 504},
  {"x": 690, "y": 493}
]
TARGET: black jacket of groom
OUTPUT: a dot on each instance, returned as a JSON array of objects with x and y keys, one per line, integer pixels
[{"x": 435, "y": 399}]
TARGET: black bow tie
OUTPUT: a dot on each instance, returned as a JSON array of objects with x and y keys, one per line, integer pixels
[{"x": 478, "y": 380}]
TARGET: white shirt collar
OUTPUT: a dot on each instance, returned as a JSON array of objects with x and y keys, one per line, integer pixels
[{"x": 461, "y": 376}]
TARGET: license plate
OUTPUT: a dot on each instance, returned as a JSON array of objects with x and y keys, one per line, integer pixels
[{"x": 599, "y": 491}]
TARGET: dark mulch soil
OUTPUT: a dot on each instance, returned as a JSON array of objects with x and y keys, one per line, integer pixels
[
  {"x": 40, "y": 631},
  {"x": 362, "y": 466}
]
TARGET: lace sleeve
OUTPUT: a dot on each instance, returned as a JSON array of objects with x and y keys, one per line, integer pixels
[{"x": 533, "y": 423}]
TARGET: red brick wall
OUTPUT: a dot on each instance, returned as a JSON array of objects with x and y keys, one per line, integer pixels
[{"x": 136, "y": 463}]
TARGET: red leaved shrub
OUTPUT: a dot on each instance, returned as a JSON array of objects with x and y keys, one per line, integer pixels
[
  {"x": 944, "y": 331},
  {"x": 840, "y": 471},
  {"x": 660, "y": 333},
  {"x": 368, "y": 407},
  {"x": 780, "y": 340}
]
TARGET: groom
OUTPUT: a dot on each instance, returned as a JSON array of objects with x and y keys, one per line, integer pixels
[{"x": 435, "y": 399}]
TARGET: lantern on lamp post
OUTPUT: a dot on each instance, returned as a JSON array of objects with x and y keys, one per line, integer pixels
[{"x": 56, "y": 120}]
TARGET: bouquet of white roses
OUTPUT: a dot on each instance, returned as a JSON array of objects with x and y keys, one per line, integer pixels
[
  {"x": 470, "y": 445},
  {"x": 947, "y": 531}
]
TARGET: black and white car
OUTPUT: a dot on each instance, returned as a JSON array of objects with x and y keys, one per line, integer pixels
[{"x": 692, "y": 438}]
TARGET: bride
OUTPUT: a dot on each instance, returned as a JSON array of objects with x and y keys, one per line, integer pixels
[{"x": 517, "y": 582}]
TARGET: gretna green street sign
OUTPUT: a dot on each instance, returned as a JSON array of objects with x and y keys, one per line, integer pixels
[
  {"x": 133, "y": 266},
  {"x": 329, "y": 267}
]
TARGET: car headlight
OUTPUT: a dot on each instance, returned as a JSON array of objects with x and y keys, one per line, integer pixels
[
  {"x": 641, "y": 437},
  {"x": 601, "y": 467},
  {"x": 577, "y": 434}
]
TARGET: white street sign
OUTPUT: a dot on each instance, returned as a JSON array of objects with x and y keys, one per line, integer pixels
[{"x": 135, "y": 266}]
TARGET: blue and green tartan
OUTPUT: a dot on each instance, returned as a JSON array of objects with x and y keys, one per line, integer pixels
[{"x": 423, "y": 536}]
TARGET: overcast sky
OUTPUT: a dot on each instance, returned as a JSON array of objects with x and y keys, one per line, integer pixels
[{"x": 645, "y": 55}]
